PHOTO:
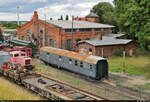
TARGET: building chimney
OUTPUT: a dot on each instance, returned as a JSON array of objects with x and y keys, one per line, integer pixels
[
  {"x": 35, "y": 16},
  {"x": 99, "y": 36}
]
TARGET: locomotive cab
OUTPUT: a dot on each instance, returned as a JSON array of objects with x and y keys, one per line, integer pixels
[
  {"x": 18, "y": 57},
  {"x": 102, "y": 69}
]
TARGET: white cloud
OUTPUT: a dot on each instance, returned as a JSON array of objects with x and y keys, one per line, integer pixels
[
  {"x": 72, "y": 7},
  {"x": 33, "y": 1},
  {"x": 12, "y": 16},
  {"x": 5, "y": 2},
  {"x": 55, "y": 10}
]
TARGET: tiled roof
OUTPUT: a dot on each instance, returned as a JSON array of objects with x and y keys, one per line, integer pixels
[
  {"x": 66, "y": 24},
  {"x": 106, "y": 41}
]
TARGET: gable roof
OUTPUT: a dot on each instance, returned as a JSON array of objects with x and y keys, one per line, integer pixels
[
  {"x": 92, "y": 14},
  {"x": 114, "y": 35},
  {"x": 67, "y": 24},
  {"x": 106, "y": 41}
]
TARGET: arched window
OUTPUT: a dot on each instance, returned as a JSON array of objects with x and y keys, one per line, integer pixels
[
  {"x": 51, "y": 41},
  {"x": 69, "y": 44},
  {"x": 90, "y": 50}
]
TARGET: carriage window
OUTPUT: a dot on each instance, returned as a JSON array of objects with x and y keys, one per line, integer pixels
[
  {"x": 16, "y": 55},
  {"x": 59, "y": 58},
  {"x": 90, "y": 67},
  {"x": 81, "y": 64},
  {"x": 70, "y": 61},
  {"x": 76, "y": 63}
]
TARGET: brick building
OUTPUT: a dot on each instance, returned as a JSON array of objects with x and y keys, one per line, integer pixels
[
  {"x": 2, "y": 29},
  {"x": 108, "y": 45},
  {"x": 91, "y": 17},
  {"x": 59, "y": 33}
]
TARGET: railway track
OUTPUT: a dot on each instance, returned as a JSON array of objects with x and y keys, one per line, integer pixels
[
  {"x": 57, "y": 89},
  {"x": 122, "y": 92},
  {"x": 78, "y": 89}
]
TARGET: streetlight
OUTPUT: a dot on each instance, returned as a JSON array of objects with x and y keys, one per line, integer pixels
[{"x": 18, "y": 15}]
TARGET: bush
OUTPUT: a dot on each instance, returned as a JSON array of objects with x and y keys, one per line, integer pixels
[{"x": 119, "y": 53}]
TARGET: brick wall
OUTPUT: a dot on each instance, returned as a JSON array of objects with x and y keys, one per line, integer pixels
[
  {"x": 108, "y": 50},
  {"x": 57, "y": 34}
]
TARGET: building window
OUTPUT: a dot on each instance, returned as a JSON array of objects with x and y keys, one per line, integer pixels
[
  {"x": 112, "y": 50},
  {"x": 97, "y": 29},
  {"x": 81, "y": 64},
  {"x": 51, "y": 41},
  {"x": 69, "y": 44},
  {"x": 102, "y": 52},
  {"x": 70, "y": 30},
  {"x": 78, "y": 40},
  {"x": 90, "y": 50},
  {"x": 41, "y": 31},
  {"x": 76, "y": 63},
  {"x": 85, "y": 30},
  {"x": 22, "y": 37}
]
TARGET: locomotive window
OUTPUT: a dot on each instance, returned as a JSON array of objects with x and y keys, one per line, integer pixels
[
  {"x": 27, "y": 62},
  {"x": 76, "y": 63},
  {"x": 16, "y": 55},
  {"x": 28, "y": 50},
  {"x": 47, "y": 53},
  {"x": 70, "y": 61},
  {"x": 59, "y": 58},
  {"x": 22, "y": 54},
  {"x": 81, "y": 64},
  {"x": 23, "y": 50}
]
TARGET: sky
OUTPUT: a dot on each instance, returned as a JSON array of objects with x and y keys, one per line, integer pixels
[{"x": 45, "y": 8}]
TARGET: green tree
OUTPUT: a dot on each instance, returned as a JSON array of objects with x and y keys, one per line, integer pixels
[
  {"x": 1, "y": 36},
  {"x": 9, "y": 25},
  {"x": 106, "y": 12},
  {"x": 31, "y": 45},
  {"x": 133, "y": 17}
]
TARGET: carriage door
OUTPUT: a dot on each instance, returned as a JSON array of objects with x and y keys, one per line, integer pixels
[
  {"x": 102, "y": 69},
  {"x": 68, "y": 44}
]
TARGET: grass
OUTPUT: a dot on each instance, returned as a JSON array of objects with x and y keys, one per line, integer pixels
[
  {"x": 145, "y": 87},
  {"x": 136, "y": 65},
  {"x": 10, "y": 91},
  {"x": 76, "y": 81}
]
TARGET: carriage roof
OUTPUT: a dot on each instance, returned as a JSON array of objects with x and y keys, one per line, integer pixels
[{"x": 78, "y": 56}]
